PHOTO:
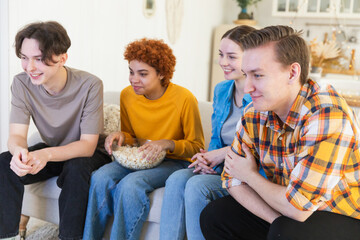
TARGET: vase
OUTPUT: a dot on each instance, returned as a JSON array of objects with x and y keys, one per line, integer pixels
[
  {"x": 243, "y": 14},
  {"x": 315, "y": 73}
]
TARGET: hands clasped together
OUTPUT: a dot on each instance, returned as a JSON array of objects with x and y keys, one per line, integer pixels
[
  {"x": 24, "y": 162},
  {"x": 235, "y": 165},
  {"x": 205, "y": 161}
]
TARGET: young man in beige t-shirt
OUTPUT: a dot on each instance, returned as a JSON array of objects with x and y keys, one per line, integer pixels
[{"x": 66, "y": 106}]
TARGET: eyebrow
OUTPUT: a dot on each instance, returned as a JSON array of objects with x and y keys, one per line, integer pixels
[
  {"x": 253, "y": 70},
  {"x": 141, "y": 70},
  {"x": 228, "y": 52},
  {"x": 27, "y": 56}
]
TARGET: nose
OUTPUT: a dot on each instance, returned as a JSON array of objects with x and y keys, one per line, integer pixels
[
  {"x": 222, "y": 61},
  {"x": 248, "y": 87},
  {"x": 30, "y": 67},
  {"x": 133, "y": 79}
]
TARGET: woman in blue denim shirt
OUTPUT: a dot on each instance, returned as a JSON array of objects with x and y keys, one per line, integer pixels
[{"x": 188, "y": 191}]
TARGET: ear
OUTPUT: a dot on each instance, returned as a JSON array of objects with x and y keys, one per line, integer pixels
[
  {"x": 295, "y": 70},
  {"x": 63, "y": 58}
]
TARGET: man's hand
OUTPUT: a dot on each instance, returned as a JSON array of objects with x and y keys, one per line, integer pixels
[
  {"x": 38, "y": 160},
  {"x": 239, "y": 167},
  {"x": 19, "y": 162}
]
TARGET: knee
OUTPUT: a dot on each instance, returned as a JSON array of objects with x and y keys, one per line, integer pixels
[
  {"x": 131, "y": 184},
  {"x": 5, "y": 159},
  {"x": 77, "y": 168},
  {"x": 178, "y": 180},
  {"x": 279, "y": 229},
  {"x": 196, "y": 189},
  {"x": 101, "y": 179}
]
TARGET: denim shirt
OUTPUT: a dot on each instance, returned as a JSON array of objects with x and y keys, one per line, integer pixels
[{"x": 223, "y": 97}]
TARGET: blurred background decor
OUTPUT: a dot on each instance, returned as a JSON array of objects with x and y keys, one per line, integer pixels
[
  {"x": 243, "y": 4},
  {"x": 326, "y": 54}
]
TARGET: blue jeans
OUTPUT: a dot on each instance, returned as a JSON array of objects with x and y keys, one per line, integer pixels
[
  {"x": 118, "y": 191},
  {"x": 74, "y": 177},
  {"x": 186, "y": 194}
]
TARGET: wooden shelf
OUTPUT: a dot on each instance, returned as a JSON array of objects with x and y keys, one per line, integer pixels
[
  {"x": 340, "y": 71},
  {"x": 249, "y": 22},
  {"x": 353, "y": 101}
]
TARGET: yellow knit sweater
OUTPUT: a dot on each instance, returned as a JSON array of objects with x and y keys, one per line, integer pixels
[{"x": 174, "y": 116}]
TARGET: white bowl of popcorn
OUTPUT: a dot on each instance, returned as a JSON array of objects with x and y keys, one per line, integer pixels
[{"x": 131, "y": 157}]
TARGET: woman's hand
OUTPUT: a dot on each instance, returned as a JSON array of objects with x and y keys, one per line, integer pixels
[
  {"x": 115, "y": 136},
  {"x": 152, "y": 149},
  {"x": 205, "y": 161}
]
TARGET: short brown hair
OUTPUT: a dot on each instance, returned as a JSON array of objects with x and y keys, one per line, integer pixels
[
  {"x": 236, "y": 33},
  {"x": 156, "y": 54},
  {"x": 290, "y": 47},
  {"x": 52, "y": 37}
]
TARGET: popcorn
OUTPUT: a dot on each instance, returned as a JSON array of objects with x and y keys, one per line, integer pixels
[{"x": 132, "y": 158}]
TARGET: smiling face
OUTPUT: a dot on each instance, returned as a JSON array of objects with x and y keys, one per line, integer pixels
[
  {"x": 230, "y": 56},
  {"x": 272, "y": 86},
  {"x": 145, "y": 80},
  {"x": 38, "y": 71}
]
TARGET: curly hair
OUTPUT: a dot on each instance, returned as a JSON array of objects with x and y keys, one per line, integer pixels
[{"x": 156, "y": 54}]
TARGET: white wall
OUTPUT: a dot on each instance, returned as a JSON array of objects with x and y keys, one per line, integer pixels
[
  {"x": 4, "y": 73},
  {"x": 100, "y": 30}
]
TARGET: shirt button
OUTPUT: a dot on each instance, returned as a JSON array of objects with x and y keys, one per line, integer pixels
[{"x": 280, "y": 138}]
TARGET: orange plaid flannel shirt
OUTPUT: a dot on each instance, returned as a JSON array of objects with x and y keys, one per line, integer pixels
[{"x": 315, "y": 153}]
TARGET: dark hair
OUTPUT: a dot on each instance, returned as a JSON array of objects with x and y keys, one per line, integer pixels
[
  {"x": 52, "y": 37},
  {"x": 156, "y": 54},
  {"x": 238, "y": 32},
  {"x": 289, "y": 46}
]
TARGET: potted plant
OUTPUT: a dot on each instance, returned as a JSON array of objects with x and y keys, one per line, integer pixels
[{"x": 243, "y": 4}]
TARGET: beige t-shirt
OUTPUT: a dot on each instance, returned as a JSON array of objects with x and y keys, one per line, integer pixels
[{"x": 60, "y": 119}]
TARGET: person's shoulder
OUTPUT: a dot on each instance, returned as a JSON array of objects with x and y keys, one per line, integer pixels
[
  {"x": 21, "y": 82},
  {"x": 178, "y": 88},
  {"x": 225, "y": 83},
  {"x": 324, "y": 96},
  {"x": 127, "y": 90},
  {"x": 127, "y": 93},
  {"x": 180, "y": 92},
  {"x": 82, "y": 75},
  {"x": 21, "y": 77},
  {"x": 223, "y": 86}
]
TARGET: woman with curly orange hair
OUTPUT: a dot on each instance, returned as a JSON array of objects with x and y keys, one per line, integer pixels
[{"x": 151, "y": 108}]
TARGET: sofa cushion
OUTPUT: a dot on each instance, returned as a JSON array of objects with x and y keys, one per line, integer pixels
[
  {"x": 49, "y": 190},
  {"x": 111, "y": 118},
  {"x": 46, "y": 189}
]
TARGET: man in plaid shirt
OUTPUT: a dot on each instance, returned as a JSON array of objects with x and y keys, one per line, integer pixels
[{"x": 305, "y": 137}]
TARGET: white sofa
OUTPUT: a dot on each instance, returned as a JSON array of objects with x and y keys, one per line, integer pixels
[{"x": 41, "y": 199}]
